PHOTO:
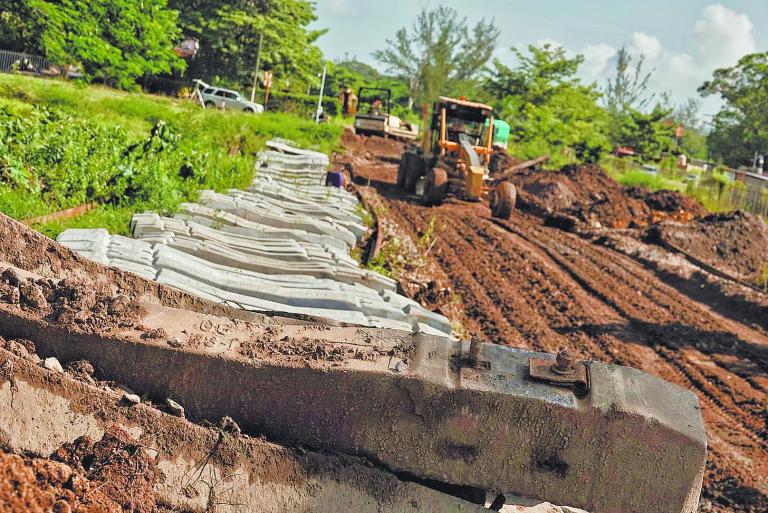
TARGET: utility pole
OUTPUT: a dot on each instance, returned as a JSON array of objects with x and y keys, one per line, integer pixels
[
  {"x": 322, "y": 91},
  {"x": 258, "y": 65}
]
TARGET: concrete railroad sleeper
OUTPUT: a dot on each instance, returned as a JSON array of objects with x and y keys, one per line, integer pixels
[
  {"x": 231, "y": 247},
  {"x": 247, "y": 474},
  {"x": 295, "y": 294},
  {"x": 276, "y": 217},
  {"x": 151, "y": 224},
  {"x": 231, "y": 223},
  {"x": 416, "y": 404}
]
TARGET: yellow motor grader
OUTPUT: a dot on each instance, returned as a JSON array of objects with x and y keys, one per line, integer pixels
[{"x": 454, "y": 156}]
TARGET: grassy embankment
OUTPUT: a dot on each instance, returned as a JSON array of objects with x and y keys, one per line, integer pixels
[
  {"x": 63, "y": 144},
  {"x": 714, "y": 190}
]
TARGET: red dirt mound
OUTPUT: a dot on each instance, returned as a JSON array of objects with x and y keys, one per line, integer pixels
[
  {"x": 74, "y": 302},
  {"x": 669, "y": 205},
  {"x": 125, "y": 471},
  {"x": 391, "y": 147},
  {"x": 38, "y": 486},
  {"x": 584, "y": 192},
  {"x": 734, "y": 242},
  {"x": 500, "y": 161}
]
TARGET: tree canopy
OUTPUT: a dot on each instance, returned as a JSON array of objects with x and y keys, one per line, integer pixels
[
  {"x": 547, "y": 107},
  {"x": 741, "y": 128},
  {"x": 229, "y": 32},
  {"x": 626, "y": 94},
  {"x": 120, "y": 41},
  {"x": 115, "y": 41},
  {"x": 439, "y": 54}
]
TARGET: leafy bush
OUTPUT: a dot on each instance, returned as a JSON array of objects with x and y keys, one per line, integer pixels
[
  {"x": 301, "y": 104},
  {"x": 61, "y": 146}
]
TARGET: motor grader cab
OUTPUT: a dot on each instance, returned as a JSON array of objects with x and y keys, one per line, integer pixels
[
  {"x": 374, "y": 116},
  {"x": 454, "y": 156}
]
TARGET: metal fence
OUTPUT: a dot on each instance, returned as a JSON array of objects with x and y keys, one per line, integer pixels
[
  {"x": 23, "y": 62},
  {"x": 752, "y": 195}
]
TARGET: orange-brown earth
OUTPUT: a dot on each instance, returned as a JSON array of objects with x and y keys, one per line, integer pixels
[{"x": 525, "y": 284}]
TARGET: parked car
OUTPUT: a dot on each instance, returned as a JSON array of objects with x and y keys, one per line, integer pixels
[{"x": 220, "y": 98}]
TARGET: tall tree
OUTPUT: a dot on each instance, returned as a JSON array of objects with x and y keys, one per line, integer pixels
[
  {"x": 740, "y": 129},
  {"x": 547, "y": 107},
  {"x": 229, "y": 32},
  {"x": 115, "y": 41},
  {"x": 536, "y": 76},
  {"x": 439, "y": 54},
  {"x": 19, "y": 29},
  {"x": 626, "y": 91},
  {"x": 650, "y": 134},
  {"x": 688, "y": 113}
]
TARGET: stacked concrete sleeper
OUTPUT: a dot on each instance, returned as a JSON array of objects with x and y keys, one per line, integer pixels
[{"x": 280, "y": 246}]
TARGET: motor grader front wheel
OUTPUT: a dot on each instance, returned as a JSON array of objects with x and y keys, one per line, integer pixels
[
  {"x": 435, "y": 186},
  {"x": 503, "y": 199}
]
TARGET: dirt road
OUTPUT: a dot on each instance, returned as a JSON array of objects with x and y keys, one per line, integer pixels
[{"x": 523, "y": 284}]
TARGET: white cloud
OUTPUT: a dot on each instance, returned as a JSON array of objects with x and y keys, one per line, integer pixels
[
  {"x": 648, "y": 46},
  {"x": 723, "y": 36},
  {"x": 596, "y": 59}
]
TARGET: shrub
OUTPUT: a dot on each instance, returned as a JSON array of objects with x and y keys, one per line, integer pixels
[
  {"x": 301, "y": 105},
  {"x": 61, "y": 146}
]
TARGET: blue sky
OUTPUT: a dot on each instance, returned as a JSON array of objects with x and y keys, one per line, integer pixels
[{"x": 684, "y": 40}]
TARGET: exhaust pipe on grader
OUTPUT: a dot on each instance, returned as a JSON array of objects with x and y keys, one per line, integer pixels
[{"x": 454, "y": 157}]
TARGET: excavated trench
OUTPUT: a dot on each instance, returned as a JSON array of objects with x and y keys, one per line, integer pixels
[{"x": 524, "y": 284}]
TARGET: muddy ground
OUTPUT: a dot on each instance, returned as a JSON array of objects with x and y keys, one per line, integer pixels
[{"x": 529, "y": 285}]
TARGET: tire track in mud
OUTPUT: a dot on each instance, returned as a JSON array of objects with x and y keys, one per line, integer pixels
[
  {"x": 479, "y": 306},
  {"x": 735, "y": 444},
  {"x": 741, "y": 430},
  {"x": 690, "y": 375},
  {"x": 526, "y": 285},
  {"x": 657, "y": 306}
]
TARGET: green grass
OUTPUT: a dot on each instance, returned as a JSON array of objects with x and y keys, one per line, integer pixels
[
  {"x": 628, "y": 174},
  {"x": 63, "y": 144},
  {"x": 657, "y": 182},
  {"x": 762, "y": 279}
]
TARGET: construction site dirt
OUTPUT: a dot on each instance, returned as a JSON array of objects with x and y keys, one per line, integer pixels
[{"x": 601, "y": 289}]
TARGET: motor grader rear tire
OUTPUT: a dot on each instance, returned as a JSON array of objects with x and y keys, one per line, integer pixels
[
  {"x": 409, "y": 171},
  {"x": 435, "y": 186},
  {"x": 503, "y": 199},
  {"x": 413, "y": 171},
  {"x": 401, "y": 170}
]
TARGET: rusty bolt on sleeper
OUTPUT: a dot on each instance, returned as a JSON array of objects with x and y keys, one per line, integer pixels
[
  {"x": 564, "y": 363},
  {"x": 472, "y": 359},
  {"x": 565, "y": 371}
]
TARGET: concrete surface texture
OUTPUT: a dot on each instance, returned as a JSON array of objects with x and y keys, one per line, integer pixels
[
  {"x": 278, "y": 247},
  {"x": 413, "y": 403},
  {"x": 216, "y": 471}
]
